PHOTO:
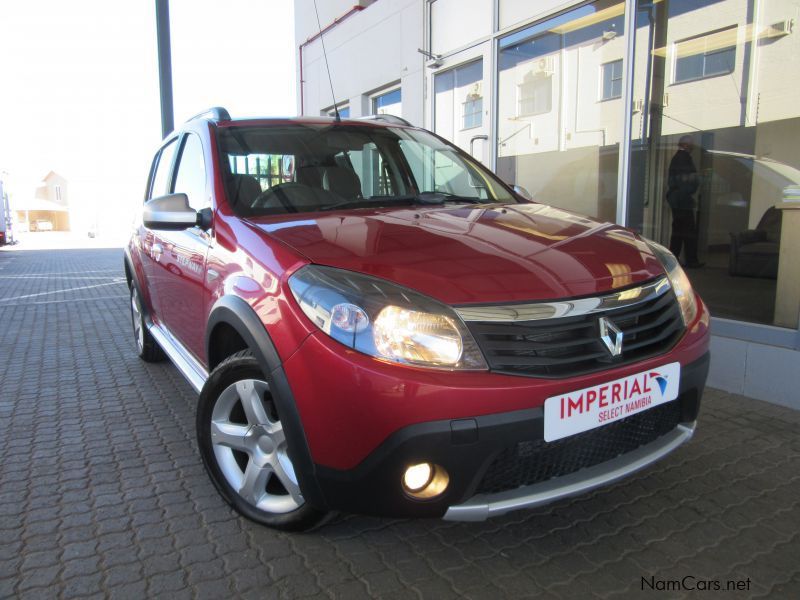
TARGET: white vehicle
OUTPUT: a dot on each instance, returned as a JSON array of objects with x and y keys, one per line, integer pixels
[{"x": 42, "y": 225}]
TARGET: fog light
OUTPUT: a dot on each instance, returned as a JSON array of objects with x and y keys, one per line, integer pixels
[
  {"x": 424, "y": 481},
  {"x": 417, "y": 477}
]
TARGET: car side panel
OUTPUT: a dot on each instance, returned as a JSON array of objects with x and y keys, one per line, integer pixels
[
  {"x": 183, "y": 288},
  {"x": 151, "y": 248},
  {"x": 248, "y": 266}
]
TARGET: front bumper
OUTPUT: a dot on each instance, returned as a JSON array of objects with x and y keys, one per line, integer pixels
[
  {"x": 482, "y": 506},
  {"x": 467, "y": 447}
]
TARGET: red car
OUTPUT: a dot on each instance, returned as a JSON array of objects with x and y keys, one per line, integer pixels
[{"x": 376, "y": 324}]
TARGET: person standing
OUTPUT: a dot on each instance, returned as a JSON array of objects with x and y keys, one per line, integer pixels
[{"x": 682, "y": 183}]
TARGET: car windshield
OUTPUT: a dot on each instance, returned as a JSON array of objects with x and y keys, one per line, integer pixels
[{"x": 307, "y": 168}]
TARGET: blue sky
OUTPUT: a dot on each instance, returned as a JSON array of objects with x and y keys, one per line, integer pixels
[{"x": 79, "y": 82}]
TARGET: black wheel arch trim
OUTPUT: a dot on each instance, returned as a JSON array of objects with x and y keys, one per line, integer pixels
[
  {"x": 129, "y": 268},
  {"x": 238, "y": 314}
]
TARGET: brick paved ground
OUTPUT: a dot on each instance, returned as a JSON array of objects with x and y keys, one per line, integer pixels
[{"x": 102, "y": 492}]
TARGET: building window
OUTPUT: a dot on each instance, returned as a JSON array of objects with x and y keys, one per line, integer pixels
[
  {"x": 389, "y": 103},
  {"x": 458, "y": 102},
  {"x": 344, "y": 111},
  {"x": 535, "y": 95},
  {"x": 58, "y": 193},
  {"x": 268, "y": 169},
  {"x": 550, "y": 139},
  {"x": 473, "y": 111},
  {"x": 707, "y": 56},
  {"x": 612, "y": 80}
]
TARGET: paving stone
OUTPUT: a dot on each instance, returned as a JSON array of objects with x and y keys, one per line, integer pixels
[
  {"x": 83, "y": 585},
  {"x": 38, "y": 577}
]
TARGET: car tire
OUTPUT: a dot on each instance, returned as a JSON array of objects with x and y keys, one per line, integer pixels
[
  {"x": 146, "y": 346},
  {"x": 243, "y": 446}
]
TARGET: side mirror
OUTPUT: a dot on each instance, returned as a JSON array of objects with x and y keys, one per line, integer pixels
[
  {"x": 170, "y": 212},
  {"x": 521, "y": 191}
]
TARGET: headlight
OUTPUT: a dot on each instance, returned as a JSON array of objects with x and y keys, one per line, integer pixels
[
  {"x": 679, "y": 281},
  {"x": 384, "y": 320}
]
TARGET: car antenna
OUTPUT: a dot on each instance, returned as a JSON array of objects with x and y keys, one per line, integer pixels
[{"x": 327, "y": 67}]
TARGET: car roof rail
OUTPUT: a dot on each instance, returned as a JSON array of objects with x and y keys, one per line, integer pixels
[
  {"x": 394, "y": 120},
  {"x": 215, "y": 113}
]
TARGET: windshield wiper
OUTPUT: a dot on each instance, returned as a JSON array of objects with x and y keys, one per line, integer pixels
[
  {"x": 424, "y": 198},
  {"x": 444, "y": 197}
]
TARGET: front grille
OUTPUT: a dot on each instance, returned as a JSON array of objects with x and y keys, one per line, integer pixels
[
  {"x": 530, "y": 462},
  {"x": 570, "y": 346}
]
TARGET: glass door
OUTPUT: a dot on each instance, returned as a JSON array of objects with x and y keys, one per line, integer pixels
[
  {"x": 714, "y": 150},
  {"x": 560, "y": 114},
  {"x": 461, "y": 101}
]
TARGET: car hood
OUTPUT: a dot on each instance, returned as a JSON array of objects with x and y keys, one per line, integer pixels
[{"x": 473, "y": 254}]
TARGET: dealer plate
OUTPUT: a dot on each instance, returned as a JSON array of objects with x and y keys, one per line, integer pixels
[{"x": 599, "y": 405}]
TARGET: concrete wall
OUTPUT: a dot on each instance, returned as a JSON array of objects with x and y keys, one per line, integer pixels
[
  {"x": 756, "y": 370},
  {"x": 458, "y": 23},
  {"x": 512, "y": 12},
  {"x": 371, "y": 50}
]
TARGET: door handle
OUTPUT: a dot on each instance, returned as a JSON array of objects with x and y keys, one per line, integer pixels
[
  {"x": 474, "y": 139},
  {"x": 157, "y": 251}
]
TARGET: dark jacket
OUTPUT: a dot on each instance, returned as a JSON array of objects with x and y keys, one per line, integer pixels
[{"x": 682, "y": 181}]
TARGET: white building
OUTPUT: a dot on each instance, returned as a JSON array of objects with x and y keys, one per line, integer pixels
[{"x": 559, "y": 98}]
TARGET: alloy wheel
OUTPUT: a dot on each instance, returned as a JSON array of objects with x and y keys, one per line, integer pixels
[
  {"x": 250, "y": 447},
  {"x": 136, "y": 317}
]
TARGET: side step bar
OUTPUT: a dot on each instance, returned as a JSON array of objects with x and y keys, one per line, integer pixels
[{"x": 187, "y": 364}]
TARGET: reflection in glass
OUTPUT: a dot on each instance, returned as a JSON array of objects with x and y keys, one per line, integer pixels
[
  {"x": 612, "y": 80},
  {"x": 714, "y": 154},
  {"x": 560, "y": 108},
  {"x": 459, "y": 103}
]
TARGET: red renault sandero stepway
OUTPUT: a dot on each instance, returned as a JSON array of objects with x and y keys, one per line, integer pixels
[{"x": 375, "y": 323}]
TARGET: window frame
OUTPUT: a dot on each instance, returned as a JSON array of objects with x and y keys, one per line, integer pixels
[
  {"x": 465, "y": 114},
  {"x": 154, "y": 168},
  {"x": 675, "y": 54},
  {"x": 534, "y": 80},
  {"x": 331, "y": 110},
  {"x": 373, "y": 98},
  {"x": 610, "y": 66},
  {"x": 176, "y": 162}
]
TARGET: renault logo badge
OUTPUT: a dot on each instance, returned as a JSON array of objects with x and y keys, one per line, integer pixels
[{"x": 611, "y": 336}]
